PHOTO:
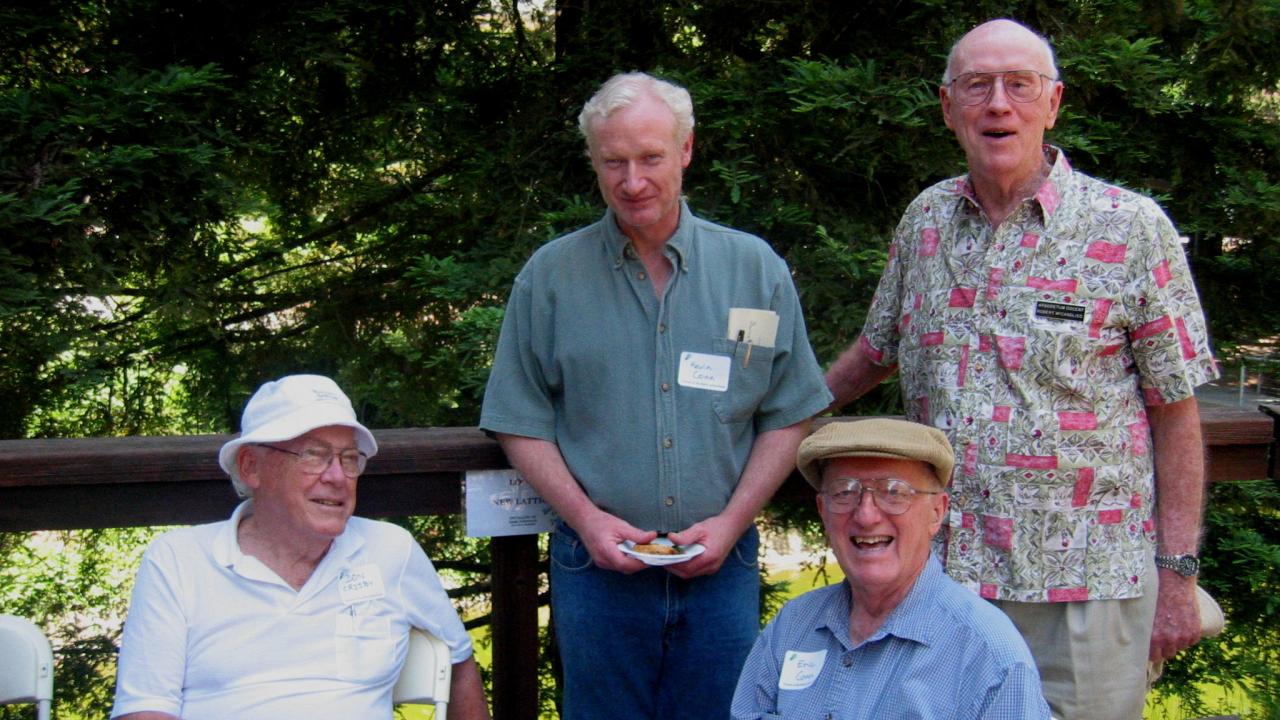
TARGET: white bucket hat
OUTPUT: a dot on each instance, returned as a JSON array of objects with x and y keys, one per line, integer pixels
[{"x": 291, "y": 406}]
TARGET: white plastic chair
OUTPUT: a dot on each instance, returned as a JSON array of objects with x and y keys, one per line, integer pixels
[
  {"x": 425, "y": 677},
  {"x": 26, "y": 665}
]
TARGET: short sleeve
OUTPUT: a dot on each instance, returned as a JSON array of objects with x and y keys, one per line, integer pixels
[
  {"x": 517, "y": 398},
  {"x": 153, "y": 651},
  {"x": 429, "y": 608},
  {"x": 881, "y": 331},
  {"x": 1168, "y": 335},
  {"x": 797, "y": 390}
]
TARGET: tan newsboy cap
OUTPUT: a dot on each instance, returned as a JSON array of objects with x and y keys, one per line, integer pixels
[{"x": 877, "y": 437}]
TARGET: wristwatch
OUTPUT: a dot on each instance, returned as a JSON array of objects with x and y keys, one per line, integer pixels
[{"x": 1185, "y": 565}]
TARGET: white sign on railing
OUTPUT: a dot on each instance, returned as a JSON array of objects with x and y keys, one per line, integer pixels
[{"x": 500, "y": 502}]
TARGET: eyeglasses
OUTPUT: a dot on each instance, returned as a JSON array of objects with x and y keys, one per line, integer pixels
[
  {"x": 315, "y": 460},
  {"x": 893, "y": 496},
  {"x": 1022, "y": 86}
]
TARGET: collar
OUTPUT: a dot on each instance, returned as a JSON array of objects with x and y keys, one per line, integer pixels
[
  {"x": 679, "y": 246},
  {"x": 226, "y": 549},
  {"x": 1048, "y": 197},
  {"x": 914, "y": 618},
  {"x": 227, "y": 553}
]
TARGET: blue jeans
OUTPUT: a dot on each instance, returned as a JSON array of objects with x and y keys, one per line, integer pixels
[{"x": 651, "y": 645}]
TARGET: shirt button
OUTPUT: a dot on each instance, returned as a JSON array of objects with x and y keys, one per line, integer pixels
[
  {"x": 666, "y": 387},
  {"x": 669, "y": 501},
  {"x": 847, "y": 661},
  {"x": 662, "y": 327},
  {"x": 666, "y": 442},
  {"x": 640, "y": 276}
]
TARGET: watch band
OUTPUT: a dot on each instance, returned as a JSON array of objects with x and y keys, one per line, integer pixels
[{"x": 1186, "y": 565}]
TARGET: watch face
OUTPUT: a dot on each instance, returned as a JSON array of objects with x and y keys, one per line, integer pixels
[{"x": 1186, "y": 565}]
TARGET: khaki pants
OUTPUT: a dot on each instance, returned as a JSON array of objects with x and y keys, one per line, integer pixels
[{"x": 1092, "y": 655}]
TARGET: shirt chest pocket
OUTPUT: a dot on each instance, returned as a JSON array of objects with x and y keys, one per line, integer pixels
[
  {"x": 365, "y": 648},
  {"x": 750, "y": 370},
  {"x": 1077, "y": 358}
]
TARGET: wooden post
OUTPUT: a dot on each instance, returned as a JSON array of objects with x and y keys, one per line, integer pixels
[
  {"x": 1274, "y": 447},
  {"x": 515, "y": 627}
]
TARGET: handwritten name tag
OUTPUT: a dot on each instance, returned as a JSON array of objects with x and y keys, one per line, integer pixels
[
  {"x": 704, "y": 372},
  {"x": 360, "y": 583},
  {"x": 800, "y": 669}
]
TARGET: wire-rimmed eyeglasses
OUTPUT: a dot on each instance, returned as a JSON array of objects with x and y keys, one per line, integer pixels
[
  {"x": 315, "y": 460},
  {"x": 1022, "y": 86},
  {"x": 891, "y": 495}
]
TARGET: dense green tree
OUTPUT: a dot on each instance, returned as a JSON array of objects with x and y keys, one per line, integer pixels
[
  {"x": 237, "y": 189},
  {"x": 198, "y": 196}
]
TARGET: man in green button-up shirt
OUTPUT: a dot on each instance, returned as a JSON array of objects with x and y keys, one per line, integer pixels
[{"x": 653, "y": 377}]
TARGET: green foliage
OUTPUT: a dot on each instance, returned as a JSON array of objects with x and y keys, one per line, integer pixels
[
  {"x": 1241, "y": 569},
  {"x": 196, "y": 197},
  {"x": 69, "y": 583}
]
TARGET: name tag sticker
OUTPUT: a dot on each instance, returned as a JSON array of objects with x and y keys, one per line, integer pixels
[
  {"x": 704, "y": 372},
  {"x": 360, "y": 583},
  {"x": 1059, "y": 311},
  {"x": 758, "y": 327},
  {"x": 800, "y": 669}
]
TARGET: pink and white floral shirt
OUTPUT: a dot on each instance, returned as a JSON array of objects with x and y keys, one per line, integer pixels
[{"x": 1036, "y": 346}]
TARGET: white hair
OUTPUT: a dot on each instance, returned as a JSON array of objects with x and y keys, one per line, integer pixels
[
  {"x": 242, "y": 490},
  {"x": 623, "y": 90}
]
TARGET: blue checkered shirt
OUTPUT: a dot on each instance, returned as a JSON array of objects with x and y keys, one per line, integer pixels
[{"x": 943, "y": 653}]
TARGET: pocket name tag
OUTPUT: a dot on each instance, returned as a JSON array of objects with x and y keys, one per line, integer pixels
[{"x": 1060, "y": 311}]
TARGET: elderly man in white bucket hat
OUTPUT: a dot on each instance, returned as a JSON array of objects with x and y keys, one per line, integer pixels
[
  {"x": 292, "y": 608},
  {"x": 897, "y": 638}
]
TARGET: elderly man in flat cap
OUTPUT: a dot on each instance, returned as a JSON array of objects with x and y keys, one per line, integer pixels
[
  {"x": 292, "y": 608},
  {"x": 897, "y": 638}
]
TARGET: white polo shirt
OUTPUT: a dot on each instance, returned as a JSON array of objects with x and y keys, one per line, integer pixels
[{"x": 214, "y": 633}]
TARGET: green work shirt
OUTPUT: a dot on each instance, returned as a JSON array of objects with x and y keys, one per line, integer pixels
[{"x": 652, "y": 404}]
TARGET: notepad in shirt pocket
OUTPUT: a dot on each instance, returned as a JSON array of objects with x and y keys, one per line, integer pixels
[{"x": 757, "y": 327}]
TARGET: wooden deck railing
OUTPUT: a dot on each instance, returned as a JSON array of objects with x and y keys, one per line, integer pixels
[{"x": 135, "y": 481}]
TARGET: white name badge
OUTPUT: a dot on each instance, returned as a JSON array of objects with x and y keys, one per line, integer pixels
[
  {"x": 800, "y": 669},
  {"x": 704, "y": 372},
  {"x": 360, "y": 583}
]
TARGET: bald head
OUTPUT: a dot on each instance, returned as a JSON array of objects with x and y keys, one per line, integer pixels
[{"x": 1001, "y": 32}]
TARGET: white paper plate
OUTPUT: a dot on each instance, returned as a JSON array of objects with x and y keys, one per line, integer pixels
[{"x": 687, "y": 551}]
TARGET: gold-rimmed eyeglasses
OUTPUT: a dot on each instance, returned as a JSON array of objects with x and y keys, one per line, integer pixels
[
  {"x": 315, "y": 460},
  {"x": 891, "y": 495},
  {"x": 975, "y": 88}
]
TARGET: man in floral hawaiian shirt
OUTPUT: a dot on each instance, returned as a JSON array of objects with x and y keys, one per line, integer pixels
[{"x": 1047, "y": 322}]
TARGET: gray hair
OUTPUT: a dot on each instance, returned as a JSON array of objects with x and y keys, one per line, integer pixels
[
  {"x": 1044, "y": 43},
  {"x": 242, "y": 491},
  {"x": 623, "y": 90}
]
